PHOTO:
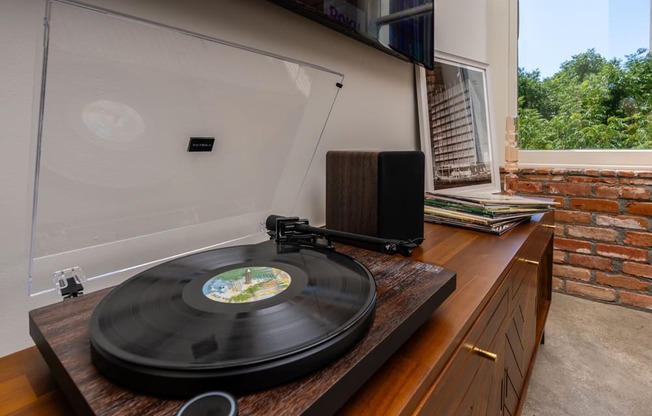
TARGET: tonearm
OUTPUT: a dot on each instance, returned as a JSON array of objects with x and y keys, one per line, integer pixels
[{"x": 287, "y": 230}]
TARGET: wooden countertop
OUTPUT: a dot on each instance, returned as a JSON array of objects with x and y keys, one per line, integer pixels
[{"x": 480, "y": 260}]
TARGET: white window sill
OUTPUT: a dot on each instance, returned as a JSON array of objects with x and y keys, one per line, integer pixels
[{"x": 604, "y": 159}]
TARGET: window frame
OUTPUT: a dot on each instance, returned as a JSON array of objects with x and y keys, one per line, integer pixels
[
  {"x": 589, "y": 158},
  {"x": 604, "y": 159}
]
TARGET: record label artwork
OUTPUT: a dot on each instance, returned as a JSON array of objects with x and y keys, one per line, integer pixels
[{"x": 247, "y": 284}]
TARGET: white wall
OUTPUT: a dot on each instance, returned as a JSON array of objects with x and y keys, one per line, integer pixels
[
  {"x": 484, "y": 31},
  {"x": 461, "y": 28},
  {"x": 19, "y": 37},
  {"x": 374, "y": 110}
]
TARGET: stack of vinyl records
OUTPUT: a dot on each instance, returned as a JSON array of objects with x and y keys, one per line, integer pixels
[{"x": 491, "y": 213}]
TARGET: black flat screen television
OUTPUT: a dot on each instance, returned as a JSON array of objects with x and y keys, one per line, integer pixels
[{"x": 403, "y": 28}]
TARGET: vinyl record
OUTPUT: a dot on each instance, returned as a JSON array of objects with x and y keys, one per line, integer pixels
[{"x": 240, "y": 319}]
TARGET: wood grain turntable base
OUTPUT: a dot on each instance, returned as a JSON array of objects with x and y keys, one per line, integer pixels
[{"x": 407, "y": 293}]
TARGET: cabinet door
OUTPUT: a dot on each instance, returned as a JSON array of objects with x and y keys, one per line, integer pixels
[
  {"x": 497, "y": 388},
  {"x": 484, "y": 395},
  {"x": 520, "y": 337},
  {"x": 467, "y": 383}
]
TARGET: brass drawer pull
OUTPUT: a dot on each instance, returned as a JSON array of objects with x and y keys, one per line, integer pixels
[
  {"x": 548, "y": 225},
  {"x": 484, "y": 354},
  {"x": 528, "y": 261}
]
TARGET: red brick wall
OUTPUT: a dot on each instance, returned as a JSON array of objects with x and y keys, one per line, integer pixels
[{"x": 603, "y": 234}]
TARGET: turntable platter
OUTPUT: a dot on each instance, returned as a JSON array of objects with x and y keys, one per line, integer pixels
[{"x": 241, "y": 318}]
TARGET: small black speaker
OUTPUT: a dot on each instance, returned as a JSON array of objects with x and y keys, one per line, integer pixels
[{"x": 376, "y": 193}]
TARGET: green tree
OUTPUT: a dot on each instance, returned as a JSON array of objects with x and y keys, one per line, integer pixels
[{"x": 590, "y": 103}]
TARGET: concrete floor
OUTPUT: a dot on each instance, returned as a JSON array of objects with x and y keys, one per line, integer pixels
[{"x": 596, "y": 360}]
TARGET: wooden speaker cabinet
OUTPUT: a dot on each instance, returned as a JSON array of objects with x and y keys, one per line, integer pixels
[{"x": 375, "y": 193}]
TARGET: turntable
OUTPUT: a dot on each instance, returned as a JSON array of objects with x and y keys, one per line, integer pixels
[{"x": 298, "y": 335}]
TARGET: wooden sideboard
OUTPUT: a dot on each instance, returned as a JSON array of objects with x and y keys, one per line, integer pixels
[{"x": 473, "y": 356}]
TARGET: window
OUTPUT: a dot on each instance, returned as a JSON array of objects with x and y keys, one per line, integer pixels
[{"x": 585, "y": 82}]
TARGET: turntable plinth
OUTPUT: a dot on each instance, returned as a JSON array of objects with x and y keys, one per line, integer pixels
[{"x": 407, "y": 293}]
